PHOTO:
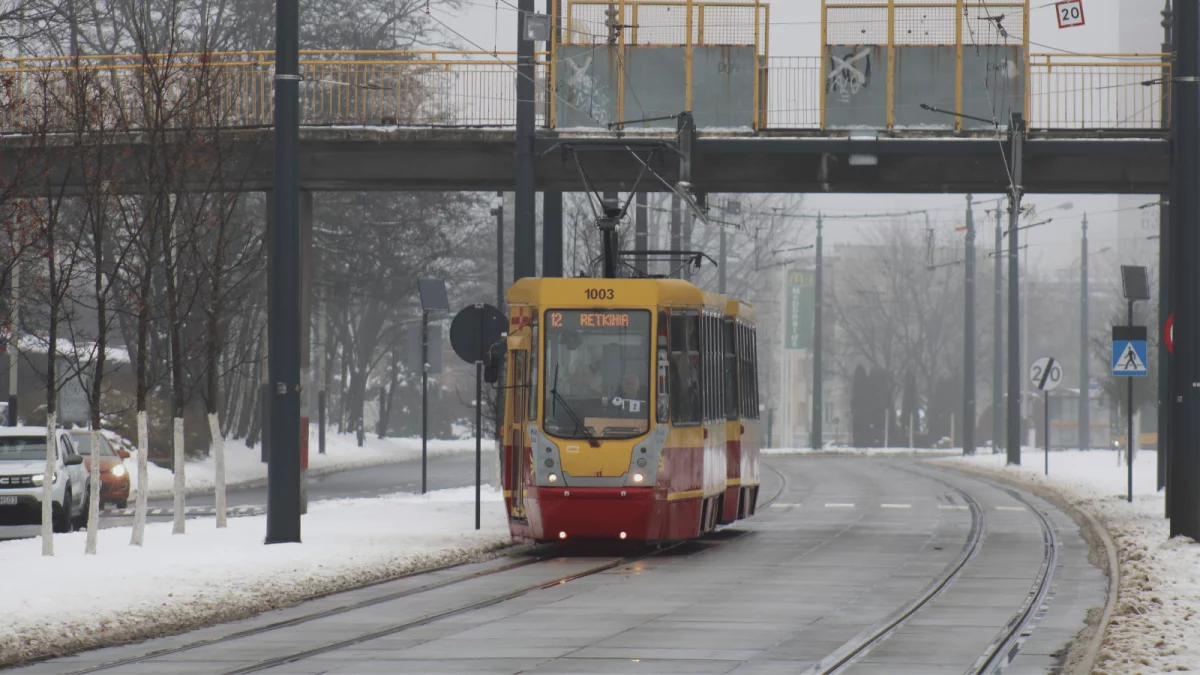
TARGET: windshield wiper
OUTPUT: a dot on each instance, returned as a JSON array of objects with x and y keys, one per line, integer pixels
[{"x": 591, "y": 438}]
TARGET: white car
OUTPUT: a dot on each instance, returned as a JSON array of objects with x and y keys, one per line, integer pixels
[{"x": 22, "y": 469}]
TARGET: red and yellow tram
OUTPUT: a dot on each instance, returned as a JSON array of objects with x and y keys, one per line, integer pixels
[{"x": 630, "y": 410}]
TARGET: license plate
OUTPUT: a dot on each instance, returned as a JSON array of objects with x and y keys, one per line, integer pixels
[{"x": 8, "y": 500}]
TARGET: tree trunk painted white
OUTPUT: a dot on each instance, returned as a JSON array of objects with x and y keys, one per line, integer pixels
[
  {"x": 48, "y": 488},
  {"x": 93, "y": 521},
  {"x": 139, "y": 511},
  {"x": 218, "y": 450},
  {"x": 180, "y": 477}
]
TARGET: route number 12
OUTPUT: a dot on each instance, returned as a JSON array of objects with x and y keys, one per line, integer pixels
[{"x": 1070, "y": 13}]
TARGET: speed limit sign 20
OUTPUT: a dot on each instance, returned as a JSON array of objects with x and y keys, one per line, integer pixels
[
  {"x": 1046, "y": 373},
  {"x": 1070, "y": 13}
]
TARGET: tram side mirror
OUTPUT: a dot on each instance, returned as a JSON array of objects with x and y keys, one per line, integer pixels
[{"x": 493, "y": 361}]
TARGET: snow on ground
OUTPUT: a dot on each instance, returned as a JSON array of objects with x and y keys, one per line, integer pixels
[
  {"x": 72, "y": 602},
  {"x": 244, "y": 464},
  {"x": 1156, "y": 625}
]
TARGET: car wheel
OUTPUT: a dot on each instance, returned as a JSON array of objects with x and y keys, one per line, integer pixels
[
  {"x": 62, "y": 520},
  {"x": 123, "y": 504},
  {"x": 81, "y": 519}
]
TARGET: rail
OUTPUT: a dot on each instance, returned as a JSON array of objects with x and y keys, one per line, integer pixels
[{"x": 478, "y": 89}]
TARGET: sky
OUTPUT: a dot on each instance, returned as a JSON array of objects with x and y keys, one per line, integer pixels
[{"x": 1111, "y": 26}]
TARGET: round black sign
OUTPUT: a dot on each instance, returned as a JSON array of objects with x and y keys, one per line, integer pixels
[{"x": 475, "y": 329}]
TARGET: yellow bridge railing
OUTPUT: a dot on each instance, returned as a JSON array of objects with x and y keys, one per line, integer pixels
[{"x": 478, "y": 89}]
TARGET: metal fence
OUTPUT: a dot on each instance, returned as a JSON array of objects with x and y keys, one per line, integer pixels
[
  {"x": 358, "y": 88},
  {"x": 478, "y": 89}
]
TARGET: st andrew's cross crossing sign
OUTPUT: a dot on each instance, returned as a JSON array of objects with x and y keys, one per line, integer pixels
[{"x": 1129, "y": 351}]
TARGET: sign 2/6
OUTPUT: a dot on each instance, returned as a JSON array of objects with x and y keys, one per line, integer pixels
[
  {"x": 599, "y": 294},
  {"x": 1070, "y": 13}
]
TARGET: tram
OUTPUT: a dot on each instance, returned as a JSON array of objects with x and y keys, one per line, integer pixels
[{"x": 630, "y": 410}]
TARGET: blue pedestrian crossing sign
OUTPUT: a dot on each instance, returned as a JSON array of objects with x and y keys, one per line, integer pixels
[{"x": 1129, "y": 351}]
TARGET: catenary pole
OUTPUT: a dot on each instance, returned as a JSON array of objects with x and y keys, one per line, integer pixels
[
  {"x": 968, "y": 423},
  {"x": 1017, "y": 138},
  {"x": 818, "y": 404},
  {"x": 283, "y": 292},
  {"x": 1185, "y": 274},
  {"x": 14, "y": 333},
  {"x": 498, "y": 212},
  {"x": 998, "y": 332},
  {"x": 552, "y": 235},
  {"x": 641, "y": 232},
  {"x": 1085, "y": 384},
  {"x": 524, "y": 227}
]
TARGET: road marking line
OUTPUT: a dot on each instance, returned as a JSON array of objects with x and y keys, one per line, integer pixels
[
  {"x": 783, "y": 506},
  {"x": 896, "y": 506},
  {"x": 839, "y": 505},
  {"x": 953, "y": 507},
  {"x": 1010, "y": 508}
]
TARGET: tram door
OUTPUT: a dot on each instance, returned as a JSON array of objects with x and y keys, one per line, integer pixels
[{"x": 519, "y": 397}]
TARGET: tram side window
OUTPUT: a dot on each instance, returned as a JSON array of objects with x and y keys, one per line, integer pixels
[
  {"x": 662, "y": 370},
  {"x": 753, "y": 374},
  {"x": 685, "y": 368},
  {"x": 532, "y": 380},
  {"x": 731, "y": 370},
  {"x": 746, "y": 359}
]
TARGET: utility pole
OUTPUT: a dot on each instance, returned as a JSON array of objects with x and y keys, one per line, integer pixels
[
  {"x": 686, "y": 133},
  {"x": 1085, "y": 403},
  {"x": 1165, "y": 446},
  {"x": 968, "y": 423},
  {"x": 524, "y": 227},
  {"x": 283, "y": 291},
  {"x": 998, "y": 334},
  {"x": 1185, "y": 275},
  {"x": 1016, "y": 132},
  {"x": 817, "y": 402},
  {"x": 498, "y": 212}
]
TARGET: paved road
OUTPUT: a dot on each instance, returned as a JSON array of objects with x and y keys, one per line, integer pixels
[
  {"x": 848, "y": 543},
  {"x": 444, "y": 471}
]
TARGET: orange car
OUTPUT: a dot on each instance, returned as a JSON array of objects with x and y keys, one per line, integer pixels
[{"x": 114, "y": 477}]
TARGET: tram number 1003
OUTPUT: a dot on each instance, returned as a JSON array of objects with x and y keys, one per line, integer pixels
[{"x": 599, "y": 294}]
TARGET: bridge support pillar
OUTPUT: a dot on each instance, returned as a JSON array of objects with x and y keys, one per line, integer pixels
[
  {"x": 524, "y": 227},
  {"x": 552, "y": 234},
  {"x": 1185, "y": 275}
]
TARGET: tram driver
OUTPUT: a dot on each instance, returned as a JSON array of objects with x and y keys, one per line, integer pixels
[{"x": 631, "y": 396}]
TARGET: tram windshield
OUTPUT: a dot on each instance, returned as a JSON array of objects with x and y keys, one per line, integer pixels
[{"x": 597, "y": 366}]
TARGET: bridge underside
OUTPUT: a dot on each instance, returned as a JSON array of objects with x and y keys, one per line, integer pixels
[{"x": 356, "y": 159}]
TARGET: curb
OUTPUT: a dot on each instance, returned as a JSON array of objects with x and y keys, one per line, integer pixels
[{"x": 1087, "y": 662}]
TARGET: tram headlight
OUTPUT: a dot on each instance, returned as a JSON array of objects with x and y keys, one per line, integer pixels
[
  {"x": 641, "y": 461},
  {"x": 638, "y": 477},
  {"x": 553, "y": 478}
]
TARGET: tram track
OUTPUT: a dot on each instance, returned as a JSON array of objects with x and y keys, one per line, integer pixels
[
  {"x": 1007, "y": 643},
  {"x": 408, "y": 592}
]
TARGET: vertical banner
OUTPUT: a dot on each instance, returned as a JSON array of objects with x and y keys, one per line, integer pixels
[{"x": 801, "y": 300}]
